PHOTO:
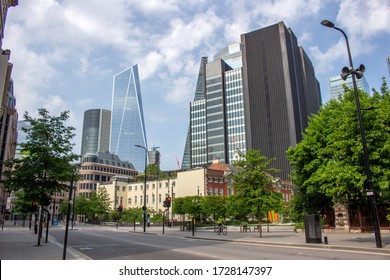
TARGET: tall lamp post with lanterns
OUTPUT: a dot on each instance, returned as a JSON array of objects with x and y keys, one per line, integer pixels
[
  {"x": 144, "y": 207},
  {"x": 358, "y": 73}
]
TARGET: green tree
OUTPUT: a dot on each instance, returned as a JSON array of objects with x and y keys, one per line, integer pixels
[
  {"x": 193, "y": 205},
  {"x": 328, "y": 164},
  {"x": 22, "y": 205},
  {"x": 46, "y": 165},
  {"x": 152, "y": 171},
  {"x": 132, "y": 215},
  {"x": 82, "y": 205},
  {"x": 252, "y": 181},
  {"x": 63, "y": 208},
  {"x": 214, "y": 205},
  {"x": 237, "y": 207},
  {"x": 100, "y": 203},
  {"x": 178, "y": 207}
]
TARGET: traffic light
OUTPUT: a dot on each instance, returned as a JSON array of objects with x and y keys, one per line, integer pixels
[
  {"x": 120, "y": 208},
  {"x": 168, "y": 201},
  {"x": 34, "y": 207}
]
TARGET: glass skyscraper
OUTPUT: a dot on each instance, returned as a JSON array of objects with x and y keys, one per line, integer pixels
[
  {"x": 127, "y": 119},
  {"x": 96, "y": 131},
  {"x": 217, "y": 125}
]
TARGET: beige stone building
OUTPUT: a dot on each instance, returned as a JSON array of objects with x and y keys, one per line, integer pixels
[{"x": 201, "y": 181}]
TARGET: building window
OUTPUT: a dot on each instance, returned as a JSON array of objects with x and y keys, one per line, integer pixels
[{"x": 130, "y": 188}]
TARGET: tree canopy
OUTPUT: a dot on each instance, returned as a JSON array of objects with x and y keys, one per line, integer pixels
[
  {"x": 253, "y": 183},
  {"x": 328, "y": 164},
  {"x": 46, "y": 164}
]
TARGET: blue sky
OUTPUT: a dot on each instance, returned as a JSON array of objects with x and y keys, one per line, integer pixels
[{"x": 66, "y": 52}]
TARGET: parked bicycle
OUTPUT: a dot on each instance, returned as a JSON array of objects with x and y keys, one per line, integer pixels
[{"x": 221, "y": 229}]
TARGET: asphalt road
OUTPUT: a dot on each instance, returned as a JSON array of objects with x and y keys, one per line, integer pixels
[{"x": 111, "y": 244}]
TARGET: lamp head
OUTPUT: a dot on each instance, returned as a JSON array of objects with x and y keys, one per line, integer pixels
[
  {"x": 359, "y": 71},
  {"x": 344, "y": 73},
  {"x": 327, "y": 23}
]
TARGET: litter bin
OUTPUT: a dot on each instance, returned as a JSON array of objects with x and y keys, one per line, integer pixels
[{"x": 313, "y": 229}]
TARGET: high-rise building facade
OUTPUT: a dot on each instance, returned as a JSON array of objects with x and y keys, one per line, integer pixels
[
  {"x": 96, "y": 131},
  {"x": 336, "y": 85},
  {"x": 127, "y": 119},
  {"x": 280, "y": 92},
  {"x": 258, "y": 95},
  {"x": 217, "y": 127},
  {"x": 197, "y": 114}
]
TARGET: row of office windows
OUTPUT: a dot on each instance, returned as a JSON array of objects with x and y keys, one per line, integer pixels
[
  {"x": 232, "y": 75},
  {"x": 215, "y": 179},
  {"x": 109, "y": 170},
  {"x": 107, "y": 162},
  {"x": 87, "y": 186}
]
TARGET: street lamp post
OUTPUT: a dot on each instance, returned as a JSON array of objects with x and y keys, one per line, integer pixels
[
  {"x": 144, "y": 207},
  {"x": 368, "y": 182},
  {"x": 68, "y": 217}
]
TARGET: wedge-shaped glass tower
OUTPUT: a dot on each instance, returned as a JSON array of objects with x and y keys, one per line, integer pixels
[{"x": 127, "y": 120}]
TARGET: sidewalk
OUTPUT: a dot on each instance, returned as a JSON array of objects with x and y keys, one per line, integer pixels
[
  {"x": 18, "y": 243},
  {"x": 364, "y": 242}
]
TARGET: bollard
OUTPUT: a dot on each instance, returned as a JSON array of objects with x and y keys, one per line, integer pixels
[{"x": 325, "y": 239}]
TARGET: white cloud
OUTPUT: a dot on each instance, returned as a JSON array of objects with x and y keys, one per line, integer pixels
[
  {"x": 305, "y": 37},
  {"x": 332, "y": 54},
  {"x": 186, "y": 36},
  {"x": 364, "y": 19},
  {"x": 155, "y": 6},
  {"x": 271, "y": 11},
  {"x": 55, "y": 104},
  {"x": 183, "y": 90}
]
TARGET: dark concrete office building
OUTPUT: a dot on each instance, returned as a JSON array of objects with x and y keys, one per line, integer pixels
[{"x": 280, "y": 92}]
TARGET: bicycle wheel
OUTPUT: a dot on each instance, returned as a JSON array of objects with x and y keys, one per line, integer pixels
[
  {"x": 219, "y": 231},
  {"x": 224, "y": 230}
]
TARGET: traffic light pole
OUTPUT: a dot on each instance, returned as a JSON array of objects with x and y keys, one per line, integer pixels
[{"x": 164, "y": 220}]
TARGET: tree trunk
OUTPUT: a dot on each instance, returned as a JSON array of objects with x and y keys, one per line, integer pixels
[
  {"x": 260, "y": 229},
  {"x": 40, "y": 226},
  {"x": 267, "y": 222}
]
